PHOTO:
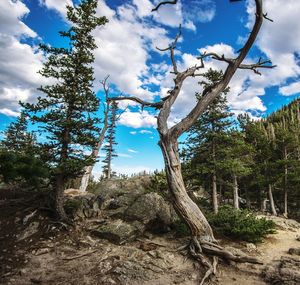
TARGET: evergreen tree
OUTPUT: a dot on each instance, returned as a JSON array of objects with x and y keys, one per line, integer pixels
[
  {"x": 17, "y": 138},
  {"x": 238, "y": 159},
  {"x": 21, "y": 164},
  {"x": 66, "y": 112},
  {"x": 206, "y": 138},
  {"x": 110, "y": 141}
]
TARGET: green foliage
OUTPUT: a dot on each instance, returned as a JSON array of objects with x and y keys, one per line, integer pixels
[
  {"x": 72, "y": 205},
  {"x": 180, "y": 228},
  {"x": 159, "y": 183},
  {"x": 21, "y": 162},
  {"x": 23, "y": 169},
  {"x": 67, "y": 112},
  {"x": 241, "y": 224}
]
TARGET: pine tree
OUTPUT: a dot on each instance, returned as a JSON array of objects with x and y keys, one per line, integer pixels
[
  {"x": 17, "y": 138},
  {"x": 238, "y": 159},
  {"x": 21, "y": 163},
  {"x": 110, "y": 141},
  {"x": 206, "y": 138},
  {"x": 66, "y": 112}
]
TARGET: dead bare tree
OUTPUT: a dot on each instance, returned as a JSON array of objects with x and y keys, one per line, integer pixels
[
  {"x": 202, "y": 241},
  {"x": 95, "y": 152}
]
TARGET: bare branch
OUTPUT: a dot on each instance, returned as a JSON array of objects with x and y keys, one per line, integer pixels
[
  {"x": 210, "y": 94},
  {"x": 164, "y": 3},
  {"x": 254, "y": 67},
  {"x": 216, "y": 56},
  {"x": 172, "y": 48},
  {"x": 260, "y": 64},
  {"x": 267, "y": 18},
  {"x": 156, "y": 105}
]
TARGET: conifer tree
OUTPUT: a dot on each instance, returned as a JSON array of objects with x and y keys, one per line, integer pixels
[
  {"x": 66, "y": 111},
  {"x": 110, "y": 141},
  {"x": 238, "y": 158},
  {"x": 21, "y": 163},
  {"x": 17, "y": 138}
]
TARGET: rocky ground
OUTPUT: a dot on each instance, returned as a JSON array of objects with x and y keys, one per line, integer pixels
[{"x": 123, "y": 235}]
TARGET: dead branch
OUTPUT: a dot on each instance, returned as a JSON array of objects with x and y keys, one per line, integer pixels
[
  {"x": 172, "y": 48},
  {"x": 233, "y": 65},
  {"x": 254, "y": 67},
  {"x": 164, "y": 3},
  {"x": 156, "y": 105},
  {"x": 260, "y": 64},
  {"x": 29, "y": 217}
]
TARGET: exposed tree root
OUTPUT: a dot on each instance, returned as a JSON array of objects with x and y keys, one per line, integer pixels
[{"x": 207, "y": 254}]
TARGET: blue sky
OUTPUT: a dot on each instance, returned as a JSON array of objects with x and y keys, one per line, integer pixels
[{"x": 126, "y": 51}]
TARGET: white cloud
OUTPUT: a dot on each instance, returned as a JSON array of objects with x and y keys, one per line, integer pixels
[
  {"x": 137, "y": 119},
  {"x": 124, "y": 155},
  {"x": 11, "y": 13},
  {"x": 19, "y": 62},
  {"x": 133, "y": 133},
  {"x": 145, "y": 132},
  {"x": 199, "y": 10},
  {"x": 279, "y": 40},
  {"x": 124, "y": 60},
  {"x": 132, "y": 150},
  {"x": 291, "y": 89},
  {"x": 57, "y": 5}
]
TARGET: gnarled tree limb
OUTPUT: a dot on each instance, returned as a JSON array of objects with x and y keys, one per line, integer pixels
[
  {"x": 233, "y": 65},
  {"x": 164, "y": 3},
  {"x": 156, "y": 105},
  {"x": 172, "y": 48}
]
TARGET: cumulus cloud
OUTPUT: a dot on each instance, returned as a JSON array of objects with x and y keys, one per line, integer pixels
[
  {"x": 279, "y": 41},
  {"x": 293, "y": 88},
  {"x": 57, "y": 5},
  {"x": 11, "y": 14},
  {"x": 124, "y": 60},
  {"x": 19, "y": 62},
  {"x": 137, "y": 119}
]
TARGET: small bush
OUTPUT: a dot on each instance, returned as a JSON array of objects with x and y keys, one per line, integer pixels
[
  {"x": 72, "y": 206},
  {"x": 180, "y": 228},
  {"x": 241, "y": 224}
]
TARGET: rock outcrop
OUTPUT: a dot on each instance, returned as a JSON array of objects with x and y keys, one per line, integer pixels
[{"x": 124, "y": 210}]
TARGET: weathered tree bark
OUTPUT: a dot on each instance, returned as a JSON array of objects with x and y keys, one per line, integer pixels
[
  {"x": 214, "y": 178},
  {"x": 215, "y": 194},
  {"x": 59, "y": 198},
  {"x": 88, "y": 169},
  {"x": 235, "y": 193},
  {"x": 272, "y": 204},
  {"x": 202, "y": 239},
  {"x": 183, "y": 204},
  {"x": 108, "y": 174}
]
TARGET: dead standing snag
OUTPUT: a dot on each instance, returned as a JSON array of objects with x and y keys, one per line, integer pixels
[{"x": 202, "y": 241}]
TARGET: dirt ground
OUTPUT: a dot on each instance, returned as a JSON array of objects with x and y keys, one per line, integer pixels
[{"x": 35, "y": 250}]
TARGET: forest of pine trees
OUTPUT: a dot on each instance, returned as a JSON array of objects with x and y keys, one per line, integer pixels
[{"x": 255, "y": 162}]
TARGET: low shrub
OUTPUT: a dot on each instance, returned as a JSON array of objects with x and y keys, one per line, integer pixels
[
  {"x": 180, "y": 228},
  {"x": 241, "y": 224}
]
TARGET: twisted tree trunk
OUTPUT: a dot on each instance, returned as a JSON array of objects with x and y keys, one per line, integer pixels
[{"x": 183, "y": 204}]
